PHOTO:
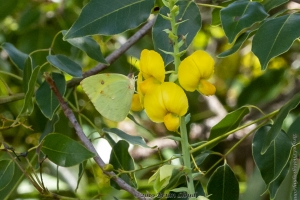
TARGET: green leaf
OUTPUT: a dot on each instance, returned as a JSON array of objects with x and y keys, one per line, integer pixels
[
  {"x": 294, "y": 131},
  {"x": 223, "y": 184},
  {"x": 241, "y": 15},
  {"x": 135, "y": 140},
  {"x": 89, "y": 46},
  {"x": 228, "y": 123},
  {"x": 28, "y": 103},
  {"x": 270, "y": 4},
  {"x": 199, "y": 159},
  {"x": 273, "y": 161},
  {"x": 45, "y": 98},
  {"x": 7, "y": 168},
  {"x": 7, "y": 7},
  {"x": 275, "y": 130},
  {"x": 65, "y": 64},
  {"x": 189, "y": 11},
  {"x": 277, "y": 35},
  {"x": 50, "y": 127},
  {"x": 263, "y": 88},
  {"x": 237, "y": 45},
  {"x": 16, "y": 56},
  {"x": 162, "y": 177},
  {"x": 121, "y": 159},
  {"x": 215, "y": 15},
  {"x": 64, "y": 151},
  {"x": 109, "y": 17}
]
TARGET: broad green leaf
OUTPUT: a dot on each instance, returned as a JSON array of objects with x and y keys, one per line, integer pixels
[
  {"x": 121, "y": 159},
  {"x": 45, "y": 98},
  {"x": 275, "y": 129},
  {"x": 49, "y": 127},
  {"x": 241, "y": 15},
  {"x": 228, "y": 123},
  {"x": 199, "y": 159},
  {"x": 89, "y": 46},
  {"x": 28, "y": 103},
  {"x": 7, "y": 168},
  {"x": 15, "y": 179},
  {"x": 65, "y": 64},
  {"x": 223, "y": 184},
  {"x": 263, "y": 88},
  {"x": 64, "y": 151},
  {"x": 7, "y": 7},
  {"x": 16, "y": 56},
  {"x": 189, "y": 11},
  {"x": 270, "y": 4},
  {"x": 275, "y": 37},
  {"x": 215, "y": 15},
  {"x": 279, "y": 185},
  {"x": 273, "y": 161},
  {"x": 294, "y": 131},
  {"x": 135, "y": 140},
  {"x": 109, "y": 17},
  {"x": 27, "y": 71},
  {"x": 237, "y": 45}
]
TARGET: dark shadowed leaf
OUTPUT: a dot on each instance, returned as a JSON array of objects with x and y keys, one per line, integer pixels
[
  {"x": 121, "y": 159},
  {"x": 277, "y": 35},
  {"x": 282, "y": 114},
  {"x": 64, "y": 151},
  {"x": 45, "y": 98},
  {"x": 188, "y": 11},
  {"x": 109, "y": 17},
  {"x": 270, "y": 4},
  {"x": 16, "y": 56},
  {"x": 7, "y": 168},
  {"x": 89, "y": 46},
  {"x": 275, "y": 159},
  {"x": 241, "y": 15},
  {"x": 223, "y": 184},
  {"x": 65, "y": 64}
]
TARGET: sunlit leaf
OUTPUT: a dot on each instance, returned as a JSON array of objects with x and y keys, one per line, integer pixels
[
  {"x": 223, "y": 184},
  {"x": 109, "y": 17},
  {"x": 275, "y": 129},
  {"x": 45, "y": 98},
  {"x": 121, "y": 159},
  {"x": 135, "y": 140},
  {"x": 65, "y": 64},
  {"x": 189, "y": 11},
  {"x": 7, "y": 168},
  {"x": 273, "y": 161},
  {"x": 241, "y": 15},
  {"x": 64, "y": 151},
  {"x": 16, "y": 56},
  {"x": 228, "y": 123},
  {"x": 275, "y": 37},
  {"x": 89, "y": 46}
]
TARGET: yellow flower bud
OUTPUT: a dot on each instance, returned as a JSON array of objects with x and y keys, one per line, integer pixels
[
  {"x": 166, "y": 103},
  {"x": 136, "y": 103},
  {"x": 195, "y": 70}
]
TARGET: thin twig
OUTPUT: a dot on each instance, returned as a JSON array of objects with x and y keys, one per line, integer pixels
[
  {"x": 114, "y": 55},
  {"x": 70, "y": 115}
]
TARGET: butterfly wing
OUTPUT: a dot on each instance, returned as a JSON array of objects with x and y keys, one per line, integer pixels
[{"x": 111, "y": 94}]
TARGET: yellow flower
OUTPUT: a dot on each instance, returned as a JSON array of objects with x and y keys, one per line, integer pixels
[
  {"x": 195, "y": 70},
  {"x": 166, "y": 103},
  {"x": 136, "y": 103}
]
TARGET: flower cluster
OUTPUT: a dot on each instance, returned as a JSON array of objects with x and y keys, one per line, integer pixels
[{"x": 166, "y": 101}]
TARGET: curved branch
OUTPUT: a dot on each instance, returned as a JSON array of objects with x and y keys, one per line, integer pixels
[
  {"x": 114, "y": 55},
  {"x": 87, "y": 143}
]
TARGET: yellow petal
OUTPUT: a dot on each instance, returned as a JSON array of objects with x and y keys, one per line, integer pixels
[
  {"x": 174, "y": 98},
  {"x": 136, "y": 103},
  {"x": 152, "y": 65},
  {"x": 197, "y": 66},
  {"x": 163, "y": 99},
  {"x": 206, "y": 88},
  {"x": 148, "y": 85},
  {"x": 172, "y": 122}
]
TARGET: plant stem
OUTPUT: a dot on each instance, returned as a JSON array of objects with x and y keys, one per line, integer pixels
[{"x": 186, "y": 156}]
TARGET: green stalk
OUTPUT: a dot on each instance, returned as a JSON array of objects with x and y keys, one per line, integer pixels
[{"x": 186, "y": 156}]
